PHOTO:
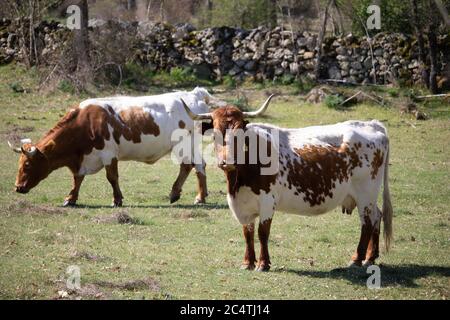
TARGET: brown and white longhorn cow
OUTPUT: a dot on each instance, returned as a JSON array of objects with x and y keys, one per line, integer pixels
[
  {"x": 100, "y": 132},
  {"x": 317, "y": 169}
]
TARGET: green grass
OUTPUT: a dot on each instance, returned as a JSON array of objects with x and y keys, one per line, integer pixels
[{"x": 184, "y": 251}]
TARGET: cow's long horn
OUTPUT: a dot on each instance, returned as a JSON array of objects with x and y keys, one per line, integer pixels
[
  {"x": 16, "y": 150},
  {"x": 29, "y": 153},
  {"x": 260, "y": 111},
  {"x": 193, "y": 116}
]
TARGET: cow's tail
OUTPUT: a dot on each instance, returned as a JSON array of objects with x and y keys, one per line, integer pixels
[{"x": 387, "y": 205}]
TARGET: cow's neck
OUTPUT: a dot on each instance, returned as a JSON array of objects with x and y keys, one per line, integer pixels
[
  {"x": 62, "y": 153},
  {"x": 249, "y": 174},
  {"x": 238, "y": 178}
]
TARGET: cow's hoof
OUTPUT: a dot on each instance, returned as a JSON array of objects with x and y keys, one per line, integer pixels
[
  {"x": 249, "y": 267},
  {"x": 117, "y": 203},
  {"x": 69, "y": 203},
  {"x": 367, "y": 263},
  {"x": 174, "y": 198},
  {"x": 354, "y": 264},
  {"x": 199, "y": 201},
  {"x": 263, "y": 268}
]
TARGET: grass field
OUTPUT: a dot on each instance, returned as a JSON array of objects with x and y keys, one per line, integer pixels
[{"x": 184, "y": 251}]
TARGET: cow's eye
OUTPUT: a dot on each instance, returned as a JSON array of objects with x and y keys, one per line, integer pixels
[{"x": 27, "y": 165}]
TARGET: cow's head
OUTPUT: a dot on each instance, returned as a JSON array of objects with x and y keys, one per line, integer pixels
[
  {"x": 226, "y": 120},
  {"x": 33, "y": 166}
]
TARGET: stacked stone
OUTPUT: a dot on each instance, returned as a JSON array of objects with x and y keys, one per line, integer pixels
[
  {"x": 8, "y": 42},
  {"x": 258, "y": 54}
]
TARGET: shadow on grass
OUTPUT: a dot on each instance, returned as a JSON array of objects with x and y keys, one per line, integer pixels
[
  {"x": 400, "y": 275},
  {"x": 155, "y": 206}
]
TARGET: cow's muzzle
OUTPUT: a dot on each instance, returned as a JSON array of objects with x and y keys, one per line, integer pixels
[{"x": 21, "y": 189}]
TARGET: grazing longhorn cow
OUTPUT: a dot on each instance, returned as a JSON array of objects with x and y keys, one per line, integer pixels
[
  {"x": 317, "y": 169},
  {"x": 100, "y": 132}
]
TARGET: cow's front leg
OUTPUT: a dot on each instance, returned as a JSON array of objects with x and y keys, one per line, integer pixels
[
  {"x": 175, "y": 194},
  {"x": 263, "y": 235},
  {"x": 249, "y": 235},
  {"x": 71, "y": 199},
  {"x": 112, "y": 174},
  {"x": 201, "y": 184}
]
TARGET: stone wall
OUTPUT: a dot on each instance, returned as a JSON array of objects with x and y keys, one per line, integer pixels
[{"x": 259, "y": 54}]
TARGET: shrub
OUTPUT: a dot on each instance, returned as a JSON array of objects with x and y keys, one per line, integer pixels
[
  {"x": 66, "y": 86},
  {"x": 333, "y": 101},
  {"x": 241, "y": 101},
  {"x": 229, "y": 82},
  {"x": 181, "y": 75},
  {"x": 393, "y": 92},
  {"x": 304, "y": 84},
  {"x": 135, "y": 75},
  {"x": 287, "y": 79}
]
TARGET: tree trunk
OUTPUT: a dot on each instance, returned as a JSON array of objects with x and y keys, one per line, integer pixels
[
  {"x": 161, "y": 11},
  {"x": 417, "y": 30},
  {"x": 149, "y": 6},
  {"x": 131, "y": 5},
  {"x": 340, "y": 20},
  {"x": 432, "y": 39},
  {"x": 209, "y": 7},
  {"x": 81, "y": 43},
  {"x": 432, "y": 42},
  {"x": 320, "y": 40},
  {"x": 272, "y": 14}
]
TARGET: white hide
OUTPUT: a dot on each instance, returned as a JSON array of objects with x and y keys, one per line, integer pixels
[
  {"x": 247, "y": 206},
  {"x": 166, "y": 110}
]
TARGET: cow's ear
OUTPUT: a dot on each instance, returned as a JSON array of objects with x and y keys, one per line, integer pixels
[
  {"x": 49, "y": 147},
  {"x": 206, "y": 126}
]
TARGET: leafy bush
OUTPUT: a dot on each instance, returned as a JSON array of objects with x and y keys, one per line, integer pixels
[
  {"x": 393, "y": 92},
  {"x": 135, "y": 76},
  {"x": 229, "y": 82},
  {"x": 66, "y": 86},
  {"x": 241, "y": 101},
  {"x": 287, "y": 79},
  {"x": 333, "y": 101},
  {"x": 182, "y": 75},
  {"x": 304, "y": 84},
  {"x": 245, "y": 14}
]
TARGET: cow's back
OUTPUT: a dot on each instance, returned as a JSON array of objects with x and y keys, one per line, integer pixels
[
  {"x": 141, "y": 127},
  {"x": 319, "y": 164}
]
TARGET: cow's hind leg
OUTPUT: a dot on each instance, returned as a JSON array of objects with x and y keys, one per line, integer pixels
[
  {"x": 72, "y": 198},
  {"x": 175, "y": 194},
  {"x": 373, "y": 252},
  {"x": 201, "y": 184},
  {"x": 112, "y": 174},
  {"x": 370, "y": 225},
  {"x": 250, "y": 257}
]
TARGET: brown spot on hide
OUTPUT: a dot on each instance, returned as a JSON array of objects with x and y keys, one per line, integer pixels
[
  {"x": 377, "y": 162},
  {"x": 136, "y": 122},
  {"x": 317, "y": 169}
]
